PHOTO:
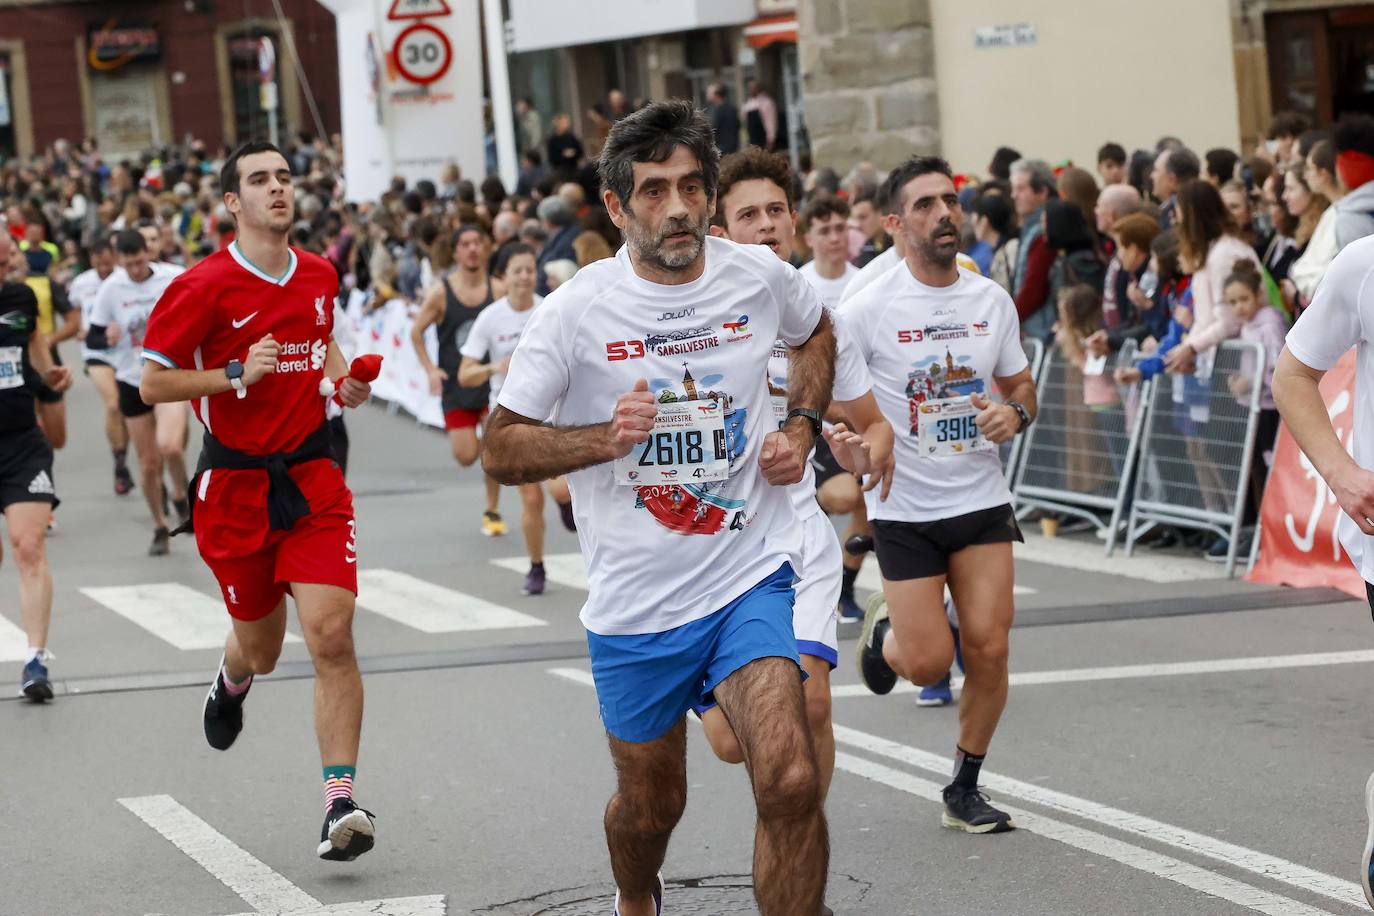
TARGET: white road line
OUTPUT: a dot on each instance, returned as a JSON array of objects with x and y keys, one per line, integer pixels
[
  {"x": 1164, "y": 669},
  {"x": 1148, "y": 861},
  {"x": 260, "y": 887},
  {"x": 1260, "y": 863},
  {"x": 432, "y": 608},
  {"x": 1098, "y": 844},
  {"x": 14, "y": 644},
  {"x": 172, "y": 612},
  {"x": 435, "y": 905},
  {"x": 566, "y": 569},
  {"x": 1070, "y": 553}
]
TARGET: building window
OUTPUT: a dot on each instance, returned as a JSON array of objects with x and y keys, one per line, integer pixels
[
  {"x": 257, "y": 101},
  {"x": 9, "y": 141}
]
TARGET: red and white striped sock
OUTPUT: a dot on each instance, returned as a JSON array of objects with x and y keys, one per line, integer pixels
[{"x": 338, "y": 783}]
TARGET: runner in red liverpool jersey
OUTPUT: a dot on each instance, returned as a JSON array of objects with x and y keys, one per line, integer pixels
[{"x": 246, "y": 337}]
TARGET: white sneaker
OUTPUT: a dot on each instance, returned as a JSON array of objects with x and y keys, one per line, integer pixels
[
  {"x": 658, "y": 899},
  {"x": 1367, "y": 863}
]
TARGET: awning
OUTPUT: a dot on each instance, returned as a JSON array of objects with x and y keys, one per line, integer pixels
[{"x": 765, "y": 30}]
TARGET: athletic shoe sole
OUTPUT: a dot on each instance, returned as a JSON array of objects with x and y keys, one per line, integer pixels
[
  {"x": 953, "y": 823},
  {"x": 353, "y": 835},
  {"x": 1365, "y": 864},
  {"x": 932, "y": 701},
  {"x": 875, "y": 611}
]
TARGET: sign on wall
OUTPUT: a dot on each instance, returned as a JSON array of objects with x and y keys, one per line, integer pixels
[
  {"x": 113, "y": 45},
  {"x": 1005, "y": 36}
]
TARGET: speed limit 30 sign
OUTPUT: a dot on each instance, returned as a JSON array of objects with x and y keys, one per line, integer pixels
[{"x": 422, "y": 53}]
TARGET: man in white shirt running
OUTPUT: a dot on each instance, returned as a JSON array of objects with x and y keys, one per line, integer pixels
[
  {"x": 645, "y": 378},
  {"x": 1341, "y": 316},
  {"x": 825, "y": 223},
  {"x": 117, "y": 323},
  {"x": 755, "y": 208},
  {"x": 935, "y": 338},
  {"x": 100, "y": 366}
]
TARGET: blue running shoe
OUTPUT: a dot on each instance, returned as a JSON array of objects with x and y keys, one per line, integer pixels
[
  {"x": 850, "y": 612},
  {"x": 35, "y": 684},
  {"x": 937, "y": 694}
]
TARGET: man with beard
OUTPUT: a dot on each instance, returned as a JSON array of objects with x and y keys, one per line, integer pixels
[
  {"x": 934, "y": 336},
  {"x": 247, "y": 336},
  {"x": 452, "y": 305},
  {"x": 651, "y": 368}
]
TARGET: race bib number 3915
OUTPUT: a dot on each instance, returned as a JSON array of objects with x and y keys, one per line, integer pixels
[
  {"x": 947, "y": 427},
  {"x": 687, "y": 445}
]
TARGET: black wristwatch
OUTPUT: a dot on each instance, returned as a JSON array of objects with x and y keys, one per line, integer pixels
[
  {"x": 234, "y": 372},
  {"x": 811, "y": 416},
  {"x": 1022, "y": 413}
]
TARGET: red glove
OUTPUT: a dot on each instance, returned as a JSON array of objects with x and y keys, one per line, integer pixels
[{"x": 365, "y": 368}]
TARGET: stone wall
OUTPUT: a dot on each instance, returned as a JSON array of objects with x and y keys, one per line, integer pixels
[{"x": 868, "y": 74}]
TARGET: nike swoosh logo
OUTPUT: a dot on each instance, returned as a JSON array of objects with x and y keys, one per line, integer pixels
[{"x": 242, "y": 321}]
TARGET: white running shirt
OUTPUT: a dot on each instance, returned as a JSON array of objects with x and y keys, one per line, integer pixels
[
  {"x": 494, "y": 334},
  {"x": 832, "y": 291},
  {"x": 923, "y": 343},
  {"x": 852, "y": 382},
  {"x": 82, "y": 292},
  {"x": 885, "y": 261},
  {"x": 662, "y": 556},
  {"x": 128, "y": 304},
  {"x": 1341, "y": 316}
]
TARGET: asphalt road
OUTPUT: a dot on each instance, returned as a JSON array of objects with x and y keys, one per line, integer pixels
[{"x": 1174, "y": 743}]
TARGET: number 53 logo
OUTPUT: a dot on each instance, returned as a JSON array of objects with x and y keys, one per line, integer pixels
[{"x": 624, "y": 349}]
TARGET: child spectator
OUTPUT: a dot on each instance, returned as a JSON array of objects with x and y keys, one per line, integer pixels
[
  {"x": 1265, "y": 326},
  {"x": 1080, "y": 315}
]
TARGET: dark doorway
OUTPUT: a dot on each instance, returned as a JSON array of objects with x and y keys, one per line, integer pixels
[{"x": 1321, "y": 62}]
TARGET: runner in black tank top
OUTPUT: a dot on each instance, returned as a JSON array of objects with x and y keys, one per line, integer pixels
[
  {"x": 464, "y": 408},
  {"x": 453, "y": 331}
]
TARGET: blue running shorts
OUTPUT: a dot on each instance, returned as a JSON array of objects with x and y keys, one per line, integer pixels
[{"x": 646, "y": 682}]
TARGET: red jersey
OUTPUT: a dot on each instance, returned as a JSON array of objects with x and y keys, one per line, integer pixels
[{"x": 215, "y": 311}]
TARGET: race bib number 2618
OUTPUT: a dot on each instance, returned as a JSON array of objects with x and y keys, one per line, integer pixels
[{"x": 687, "y": 445}]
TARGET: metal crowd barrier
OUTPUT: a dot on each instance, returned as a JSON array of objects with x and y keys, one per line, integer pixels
[
  {"x": 1076, "y": 456},
  {"x": 1197, "y": 444},
  {"x": 1011, "y": 456}
]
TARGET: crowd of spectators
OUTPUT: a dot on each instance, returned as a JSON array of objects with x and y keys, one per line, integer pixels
[{"x": 1156, "y": 248}]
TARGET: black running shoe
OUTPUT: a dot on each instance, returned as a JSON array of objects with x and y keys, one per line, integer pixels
[
  {"x": 565, "y": 512},
  {"x": 183, "y": 507},
  {"x": 162, "y": 543},
  {"x": 34, "y": 682},
  {"x": 348, "y": 831},
  {"x": 223, "y": 713},
  {"x": 967, "y": 809},
  {"x": 874, "y": 670},
  {"x": 123, "y": 482}
]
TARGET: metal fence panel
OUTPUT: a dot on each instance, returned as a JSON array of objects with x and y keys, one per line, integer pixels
[
  {"x": 1011, "y": 456},
  {"x": 1077, "y": 454},
  {"x": 1198, "y": 438}
]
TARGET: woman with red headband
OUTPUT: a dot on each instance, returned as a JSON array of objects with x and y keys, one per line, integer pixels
[{"x": 1354, "y": 142}]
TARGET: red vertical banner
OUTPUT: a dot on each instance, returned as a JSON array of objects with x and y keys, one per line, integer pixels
[{"x": 1299, "y": 545}]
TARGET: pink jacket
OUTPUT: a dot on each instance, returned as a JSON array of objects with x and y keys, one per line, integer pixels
[{"x": 1213, "y": 320}]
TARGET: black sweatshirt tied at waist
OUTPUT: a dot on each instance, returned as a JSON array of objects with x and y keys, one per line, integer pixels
[{"x": 286, "y": 504}]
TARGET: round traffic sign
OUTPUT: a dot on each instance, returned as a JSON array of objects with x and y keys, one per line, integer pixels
[{"x": 422, "y": 53}]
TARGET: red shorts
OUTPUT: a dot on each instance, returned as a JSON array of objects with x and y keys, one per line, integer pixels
[
  {"x": 255, "y": 565},
  {"x": 460, "y": 418}
]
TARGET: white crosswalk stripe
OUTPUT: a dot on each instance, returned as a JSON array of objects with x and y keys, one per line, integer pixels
[
  {"x": 432, "y": 608},
  {"x": 14, "y": 645},
  {"x": 174, "y": 613}
]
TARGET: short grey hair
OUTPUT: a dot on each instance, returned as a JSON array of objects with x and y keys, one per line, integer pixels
[
  {"x": 556, "y": 211},
  {"x": 652, "y": 134},
  {"x": 1039, "y": 173}
]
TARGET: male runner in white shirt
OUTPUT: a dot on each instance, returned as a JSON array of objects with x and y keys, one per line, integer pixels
[
  {"x": 935, "y": 337},
  {"x": 651, "y": 368}
]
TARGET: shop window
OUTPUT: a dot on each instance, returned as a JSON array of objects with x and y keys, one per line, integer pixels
[{"x": 9, "y": 142}]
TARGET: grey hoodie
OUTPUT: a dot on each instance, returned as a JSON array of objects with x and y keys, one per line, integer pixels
[{"x": 1355, "y": 215}]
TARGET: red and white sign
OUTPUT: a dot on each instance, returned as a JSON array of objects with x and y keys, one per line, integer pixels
[
  {"x": 422, "y": 54},
  {"x": 417, "y": 9},
  {"x": 1298, "y": 517}
]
